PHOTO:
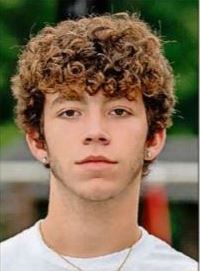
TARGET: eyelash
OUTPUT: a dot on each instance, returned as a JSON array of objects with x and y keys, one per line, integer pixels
[
  {"x": 126, "y": 112},
  {"x": 63, "y": 114}
]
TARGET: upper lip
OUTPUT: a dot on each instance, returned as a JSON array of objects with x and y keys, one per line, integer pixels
[{"x": 93, "y": 158}]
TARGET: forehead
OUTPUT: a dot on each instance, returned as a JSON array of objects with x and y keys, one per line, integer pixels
[{"x": 99, "y": 98}]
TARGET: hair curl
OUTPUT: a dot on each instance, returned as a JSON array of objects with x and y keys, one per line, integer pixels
[{"x": 118, "y": 54}]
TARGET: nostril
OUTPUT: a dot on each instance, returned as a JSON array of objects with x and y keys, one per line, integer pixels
[
  {"x": 97, "y": 139},
  {"x": 88, "y": 139},
  {"x": 102, "y": 139}
]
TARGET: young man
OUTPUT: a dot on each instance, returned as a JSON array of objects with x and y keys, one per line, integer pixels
[{"x": 94, "y": 97}]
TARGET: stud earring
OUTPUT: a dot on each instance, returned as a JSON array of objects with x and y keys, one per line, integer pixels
[
  {"x": 44, "y": 160},
  {"x": 148, "y": 154}
]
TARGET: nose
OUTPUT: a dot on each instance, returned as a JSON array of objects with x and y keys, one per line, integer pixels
[
  {"x": 95, "y": 133},
  {"x": 100, "y": 139}
]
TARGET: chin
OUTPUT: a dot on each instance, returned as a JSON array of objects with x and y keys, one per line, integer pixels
[
  {"x": 100, "y": 192},
  {"x": 97, "y": 198}
]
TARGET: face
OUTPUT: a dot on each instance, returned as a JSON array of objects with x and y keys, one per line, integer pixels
[{"x": 95, "y": 145}]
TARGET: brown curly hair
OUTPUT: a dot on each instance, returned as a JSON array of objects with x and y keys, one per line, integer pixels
[{"x": 118, "y": 54}]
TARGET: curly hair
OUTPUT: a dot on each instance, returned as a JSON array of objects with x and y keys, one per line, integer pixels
[{"x": 117, "y": 54}]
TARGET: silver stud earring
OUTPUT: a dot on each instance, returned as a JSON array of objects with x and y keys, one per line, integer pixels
[
  {"x": 44, "y": 160},
  {"x": 148, "y": 154}
]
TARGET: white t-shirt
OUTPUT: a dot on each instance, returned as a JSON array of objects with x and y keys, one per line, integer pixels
[{"x": 27, "y": 252}]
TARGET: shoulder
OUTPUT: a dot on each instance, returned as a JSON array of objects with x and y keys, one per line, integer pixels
[
  {"x": 15, "y": 249},
  {"x": 153, "y": 254},
  {"x": 164, "y": 257},
  {"x": 17, "y": 241}
]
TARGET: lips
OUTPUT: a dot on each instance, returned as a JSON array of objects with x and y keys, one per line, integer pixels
[{"x": 96, "y": 159}]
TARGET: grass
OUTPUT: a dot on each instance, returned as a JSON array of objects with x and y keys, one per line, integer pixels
[{"x": 8, "y": 133}]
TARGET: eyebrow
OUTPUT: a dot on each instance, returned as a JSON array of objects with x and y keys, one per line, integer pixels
[
  {"x": 61, "y": 99},
  {"x": 111, "y": 99}
]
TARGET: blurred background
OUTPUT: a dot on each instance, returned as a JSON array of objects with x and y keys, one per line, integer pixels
[{"x": 169, "y": 199}]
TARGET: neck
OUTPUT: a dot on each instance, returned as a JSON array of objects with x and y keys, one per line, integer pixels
[{"x": 82, "y": 229}]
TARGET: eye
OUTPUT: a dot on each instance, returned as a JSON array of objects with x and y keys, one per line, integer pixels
[
  {"x": 121, "y": 112},
  {"x": 70, "y": 113}
]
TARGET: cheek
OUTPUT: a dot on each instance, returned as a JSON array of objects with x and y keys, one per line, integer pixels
[
  {"x": 134, "y": 147},
  {"x": 54, "y": 135},
  {"x": 131, "y": 143},
  {"x": 60, "y": 138},
  {"x": 53, "y": 129},
  {"x": 134, "y": 134}
]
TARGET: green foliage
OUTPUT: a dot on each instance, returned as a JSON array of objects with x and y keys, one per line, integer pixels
[
  {"x": 19, "y": 19},
  {"x": 9, "y": 132}
]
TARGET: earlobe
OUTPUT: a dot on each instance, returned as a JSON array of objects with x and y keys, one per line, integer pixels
[
  {"x": 147, "y": 154},
  {"x": 155, "y": 145},
  {"x": 36, "y": 145}
]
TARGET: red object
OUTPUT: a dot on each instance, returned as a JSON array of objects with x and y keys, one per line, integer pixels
[{"x": 156, "y": 216}]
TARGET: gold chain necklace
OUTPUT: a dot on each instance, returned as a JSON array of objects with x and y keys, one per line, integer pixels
[
  {"x": 118, "y": 269},
  {"x": 77, "y": 267}
]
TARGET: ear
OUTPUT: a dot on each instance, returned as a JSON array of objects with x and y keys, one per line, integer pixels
[
  {"x": 155, "y": 145},
  {"x": 36, "y": 145}
]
